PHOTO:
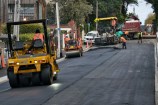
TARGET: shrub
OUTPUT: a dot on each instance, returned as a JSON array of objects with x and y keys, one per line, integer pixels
[
  {"x": 30, "y": 28},
  {"x": 25, "y": 37},
  {"x": 25, "y": 28},
  {"x": 4, "y": 29}
]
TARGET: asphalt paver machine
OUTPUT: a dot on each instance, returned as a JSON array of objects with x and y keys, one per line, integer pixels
[
  {"x": 36, "y": 68},
  {"x": 107, "y": 38}
]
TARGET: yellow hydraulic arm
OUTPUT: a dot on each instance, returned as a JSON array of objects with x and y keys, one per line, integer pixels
[{"x": 107, "y": 18}]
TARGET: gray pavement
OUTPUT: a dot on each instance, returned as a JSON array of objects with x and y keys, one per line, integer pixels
[
  {"x": 97, "y": 78},
  {"x": 116, "y": 77}
]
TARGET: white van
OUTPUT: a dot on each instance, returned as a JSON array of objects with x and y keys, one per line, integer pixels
[{"x": 90, "y": 36}]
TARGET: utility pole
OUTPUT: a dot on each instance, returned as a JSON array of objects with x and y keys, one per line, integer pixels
[
  {"x": 58, "y": 31},
  {"x": 96, "y": 14},
  {"x": 16, "y": 18},
  {"x": 134, "y": 10}
]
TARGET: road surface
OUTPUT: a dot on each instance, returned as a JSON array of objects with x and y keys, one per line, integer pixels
[{"x": 104, "y": 76}]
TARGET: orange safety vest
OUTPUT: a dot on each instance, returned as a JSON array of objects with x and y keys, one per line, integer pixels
[
  {"x": 123, "y": 39},
  {"x": 66, "y": 40},
  {"x": 126, "y": 32},
  {"x": 38, "y": 36},
  {"x": 80, "y": 41}
]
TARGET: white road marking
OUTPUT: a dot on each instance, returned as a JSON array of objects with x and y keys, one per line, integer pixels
[
  {"x": 5, "y": 90},
  {"x": 60, "y": 60},
  {"x": 138, "y": 71},
  {"x": 130, "y": 71},
  {"x": 3, "y": 79}
]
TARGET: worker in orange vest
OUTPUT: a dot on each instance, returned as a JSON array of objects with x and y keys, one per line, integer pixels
[
  {"x": 123, "y": 40},
  {"x": 126, "y": 34},
  {"x": 38, "y": 35},
  {"x": 80, "y": 41},
  {"x": 66, "y": 39}
]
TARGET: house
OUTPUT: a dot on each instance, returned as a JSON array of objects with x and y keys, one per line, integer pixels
[{"x": 30, "y": 10}]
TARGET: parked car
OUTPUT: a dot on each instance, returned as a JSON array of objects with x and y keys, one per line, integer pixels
[{"x": 90, "y": 37}]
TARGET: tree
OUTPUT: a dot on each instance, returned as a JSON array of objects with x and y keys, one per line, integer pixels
[
  {"x": 50, "y": 13},
  {"x": 155, "y": 7},
  {"x": 150, "y": 18},
  {"x": 85, "y": 10},
  {"x": 73, "y": 9},
  {"x": 108, "y": 8}
]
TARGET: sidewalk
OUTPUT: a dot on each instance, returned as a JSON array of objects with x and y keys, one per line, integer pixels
[{"x": 156, "y": 72}]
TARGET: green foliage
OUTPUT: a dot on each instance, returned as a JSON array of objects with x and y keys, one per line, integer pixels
[
  {"x": 25, "y": 28},
  {"x": 74, "y": 10},
  {"x": 150, "y": 19},
  {"x": 120, "y": 17},
  {"x": 30, "y": 28},
  {"x": 107, "y": 8},
  {"x": 51, "y": 13},
  {"x": 4, "y": 29},
  {"x": 154, "y": 4},
  {"x": 81, "y": 10},
  {"x": 26, "y": 37}
]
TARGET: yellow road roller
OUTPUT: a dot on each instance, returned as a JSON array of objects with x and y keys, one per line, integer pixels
[{"x": 31, "y": 62}]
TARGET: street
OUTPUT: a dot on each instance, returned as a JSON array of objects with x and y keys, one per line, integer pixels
[{"x": 103, "y": 76}]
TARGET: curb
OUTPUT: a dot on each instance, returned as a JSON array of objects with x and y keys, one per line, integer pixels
[
  {"x": 156, "y": 74},
  {"x": 3, "y": 79}
]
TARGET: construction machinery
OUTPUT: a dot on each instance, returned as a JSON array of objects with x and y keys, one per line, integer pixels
[
  {"x": 107, "y": 37},
  {"x": 35, "y": 67},
  {"x": 133, "y": 27},
  {"x": 73, "y": 47}
]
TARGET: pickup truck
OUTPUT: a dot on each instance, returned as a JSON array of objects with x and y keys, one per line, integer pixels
[{"x": 90, "y": 37}]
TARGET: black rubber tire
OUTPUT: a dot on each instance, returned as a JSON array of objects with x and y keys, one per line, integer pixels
[
  {"x": 36, "y": 79},
  {"x": 67, "y": 56},
  {"x": 24, "y": 81},
  {"x": 46, "y": 75},
  {"x": 55, "y": 77},
  {"x": 13, "y": 79}
]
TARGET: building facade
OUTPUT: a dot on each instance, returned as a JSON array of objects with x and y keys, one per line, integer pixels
[{"x": 29, "y": 10}]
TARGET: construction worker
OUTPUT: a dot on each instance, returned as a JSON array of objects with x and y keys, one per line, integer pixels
[
  {"x": 38, "y": 35},
  {"x": 119, "y": 33},
  {"x": 123, "y": 40},
  {"x": 66, "y": 39},
  {"x": 126, "y": 34},
  {"x": 64, "y": 34},
  {"x": 80, "y": 41},
  {"x": 140, "y": 37}
]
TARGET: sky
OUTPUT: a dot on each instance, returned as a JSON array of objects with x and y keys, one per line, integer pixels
[{"x": 142, "y": 10}]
